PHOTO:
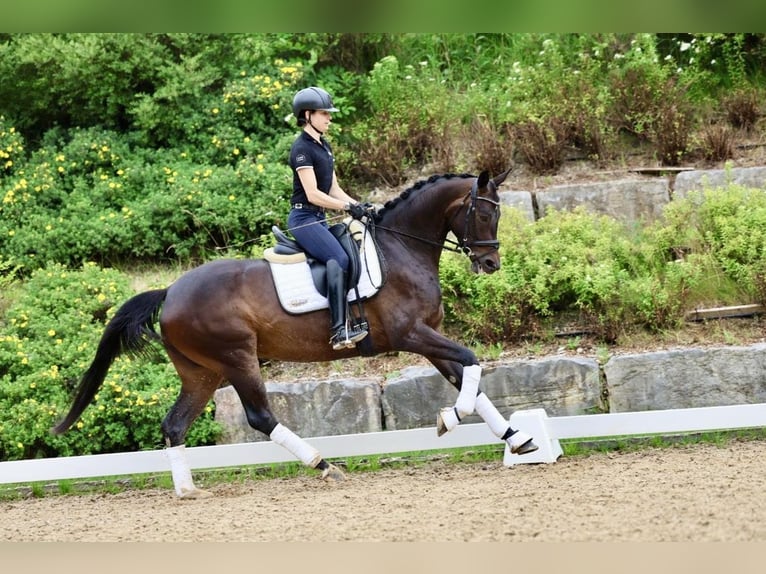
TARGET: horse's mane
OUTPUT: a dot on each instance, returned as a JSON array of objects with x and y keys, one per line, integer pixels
[{"x": 407, "y": 193}]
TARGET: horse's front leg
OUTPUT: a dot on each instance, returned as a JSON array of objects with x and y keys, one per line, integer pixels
[{"x": 472, "y": 399}]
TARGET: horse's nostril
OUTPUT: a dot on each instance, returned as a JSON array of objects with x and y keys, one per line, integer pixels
[{"x": 490, "y": 265}]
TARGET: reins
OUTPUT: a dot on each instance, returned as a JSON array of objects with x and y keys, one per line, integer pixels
[{"x": 462, "y": 245}]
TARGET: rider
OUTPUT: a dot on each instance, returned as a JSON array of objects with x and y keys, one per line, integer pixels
[{"x": 316, "y": 189}]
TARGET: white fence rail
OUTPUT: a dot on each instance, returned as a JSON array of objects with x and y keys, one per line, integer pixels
[{"x": 547, "y": 432}]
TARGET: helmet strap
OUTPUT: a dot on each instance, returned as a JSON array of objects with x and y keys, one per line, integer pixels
[{"x": 308, "y": 122}]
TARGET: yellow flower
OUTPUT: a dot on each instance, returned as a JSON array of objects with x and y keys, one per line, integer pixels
[{"x": 51, "y": 333}]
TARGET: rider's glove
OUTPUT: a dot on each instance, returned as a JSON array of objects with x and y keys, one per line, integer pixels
[{"x": 356, "y": 210}]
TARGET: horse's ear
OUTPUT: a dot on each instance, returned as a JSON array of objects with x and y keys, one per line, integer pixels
[
  {"x": 483, "y": 180},
  {"x": 501, "y": 178}
]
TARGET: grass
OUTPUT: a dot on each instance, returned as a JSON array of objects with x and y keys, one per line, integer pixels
[{"x": 366, "y": 464}]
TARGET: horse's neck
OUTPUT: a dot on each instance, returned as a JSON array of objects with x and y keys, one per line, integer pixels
[{"x": 421, "y": 226}]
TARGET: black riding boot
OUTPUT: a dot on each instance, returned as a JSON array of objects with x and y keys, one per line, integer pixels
[{"x": 341, "y": 336}]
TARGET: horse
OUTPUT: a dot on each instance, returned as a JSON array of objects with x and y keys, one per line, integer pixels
[{"x": 219, "y": 320}]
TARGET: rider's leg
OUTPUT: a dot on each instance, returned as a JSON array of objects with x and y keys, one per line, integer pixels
[
  {"x": 311, "y": 232},
  {"x": 341, "y": 335}
]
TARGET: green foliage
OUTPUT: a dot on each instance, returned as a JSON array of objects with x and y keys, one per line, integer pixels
[
  {"x": 11, "y": 148},
  {"x": 400, "y": 133},
  {"x": 96, "y": 198},
  {"x": 729, "y": 226},
  {"x": 564, "y": 262},
  {"x": 49, "y": 336}
]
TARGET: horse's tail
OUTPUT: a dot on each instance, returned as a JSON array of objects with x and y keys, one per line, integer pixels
[{"x": 129, "y": 331}]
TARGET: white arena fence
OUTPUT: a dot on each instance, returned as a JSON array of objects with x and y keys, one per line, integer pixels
[{"x": 547, "y": 431}]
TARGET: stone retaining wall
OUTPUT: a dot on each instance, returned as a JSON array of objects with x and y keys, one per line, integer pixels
[
  {"x": 629, "y": 199},
  {"x": 563, "y": 386}
]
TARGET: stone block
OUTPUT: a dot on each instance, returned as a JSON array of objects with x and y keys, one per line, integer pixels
[
  {"x": 521, "y": 200},
  {"x": 308, "y": 408},
  {"x": 700, "y": 179},
  {"x": 630, "y": 200},
  {"x": 686, "y": 378},
  {"x": 560, "y": 385}
]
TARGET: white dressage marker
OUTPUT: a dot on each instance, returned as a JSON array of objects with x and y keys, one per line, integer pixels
[{"x": 547, "y": 431}]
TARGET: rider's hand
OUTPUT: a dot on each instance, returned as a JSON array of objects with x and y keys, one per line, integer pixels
[{"x": 356, "y": 210}]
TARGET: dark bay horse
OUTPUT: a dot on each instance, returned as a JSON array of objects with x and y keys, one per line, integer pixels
[{"x": 217, "y": 320}]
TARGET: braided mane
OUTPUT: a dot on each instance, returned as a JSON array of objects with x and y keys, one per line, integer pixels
[{"x": 407, "y": 193}]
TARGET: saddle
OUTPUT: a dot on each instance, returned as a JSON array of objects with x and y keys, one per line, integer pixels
[
  {"x": 289, "y": 247},
  {"x": 301, "y": 280}
]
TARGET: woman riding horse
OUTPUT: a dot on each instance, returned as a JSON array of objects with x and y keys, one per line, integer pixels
[
  {"x": 219, "y": 320},
  {"x": 316, "y": 188}
]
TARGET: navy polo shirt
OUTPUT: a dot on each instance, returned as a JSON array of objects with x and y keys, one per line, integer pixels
[{"x": 307, "y": 152}]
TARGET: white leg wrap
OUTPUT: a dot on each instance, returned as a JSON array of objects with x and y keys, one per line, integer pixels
[
  {"x": 180, "y": 470},
  {"x": 466, "y": 400},
  {"x": 487, "y": 411},
  {"x": 449, "y": 418},
  {"x": 302, "y": 450}
]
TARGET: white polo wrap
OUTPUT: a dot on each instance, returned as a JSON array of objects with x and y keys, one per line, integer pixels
[
  {"x": 302, "y": 450},
  {"x": 466, "y": 400}
]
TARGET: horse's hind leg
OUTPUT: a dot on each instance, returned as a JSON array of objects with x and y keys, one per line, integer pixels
[
  {"x": 252, "y": 393},
  {"x": 197, "y": 387}
]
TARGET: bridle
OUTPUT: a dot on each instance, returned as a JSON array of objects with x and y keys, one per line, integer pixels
[{"x": 464, "y": 244}]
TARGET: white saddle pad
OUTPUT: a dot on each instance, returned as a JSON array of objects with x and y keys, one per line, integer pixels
[{"x": 295, "y": 286}]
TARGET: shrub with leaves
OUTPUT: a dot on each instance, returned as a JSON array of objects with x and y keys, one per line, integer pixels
[
  {"x": 728, "y": 225},
  {"x": 49, "y": 336},
  {"x": 94, "y": 197},
  {"x": 568, "y": 263}
]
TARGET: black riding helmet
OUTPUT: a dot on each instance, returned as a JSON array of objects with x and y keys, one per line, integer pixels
[{"x": 312, "y": 98}]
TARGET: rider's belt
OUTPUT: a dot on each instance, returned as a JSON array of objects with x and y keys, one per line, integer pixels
[{"x": 308, "y": 207}]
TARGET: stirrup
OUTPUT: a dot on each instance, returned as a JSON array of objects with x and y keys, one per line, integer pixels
[{"x": 346, "y": 339}]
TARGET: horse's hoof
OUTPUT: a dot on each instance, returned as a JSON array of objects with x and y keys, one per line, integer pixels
[
  {"x": 333, "y": 473},
  {"x": 525, "y": 448},
  {"x": 196, "y": 493},
  {"x": 441, "y": 428}
]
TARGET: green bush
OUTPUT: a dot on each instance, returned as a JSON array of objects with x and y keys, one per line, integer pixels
[
  {"x": 50, "y": 333},
  {"x": 96, "y": 198},
  {"x": 728, "y": 225},
  {"x": 568, "y": 263}
]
